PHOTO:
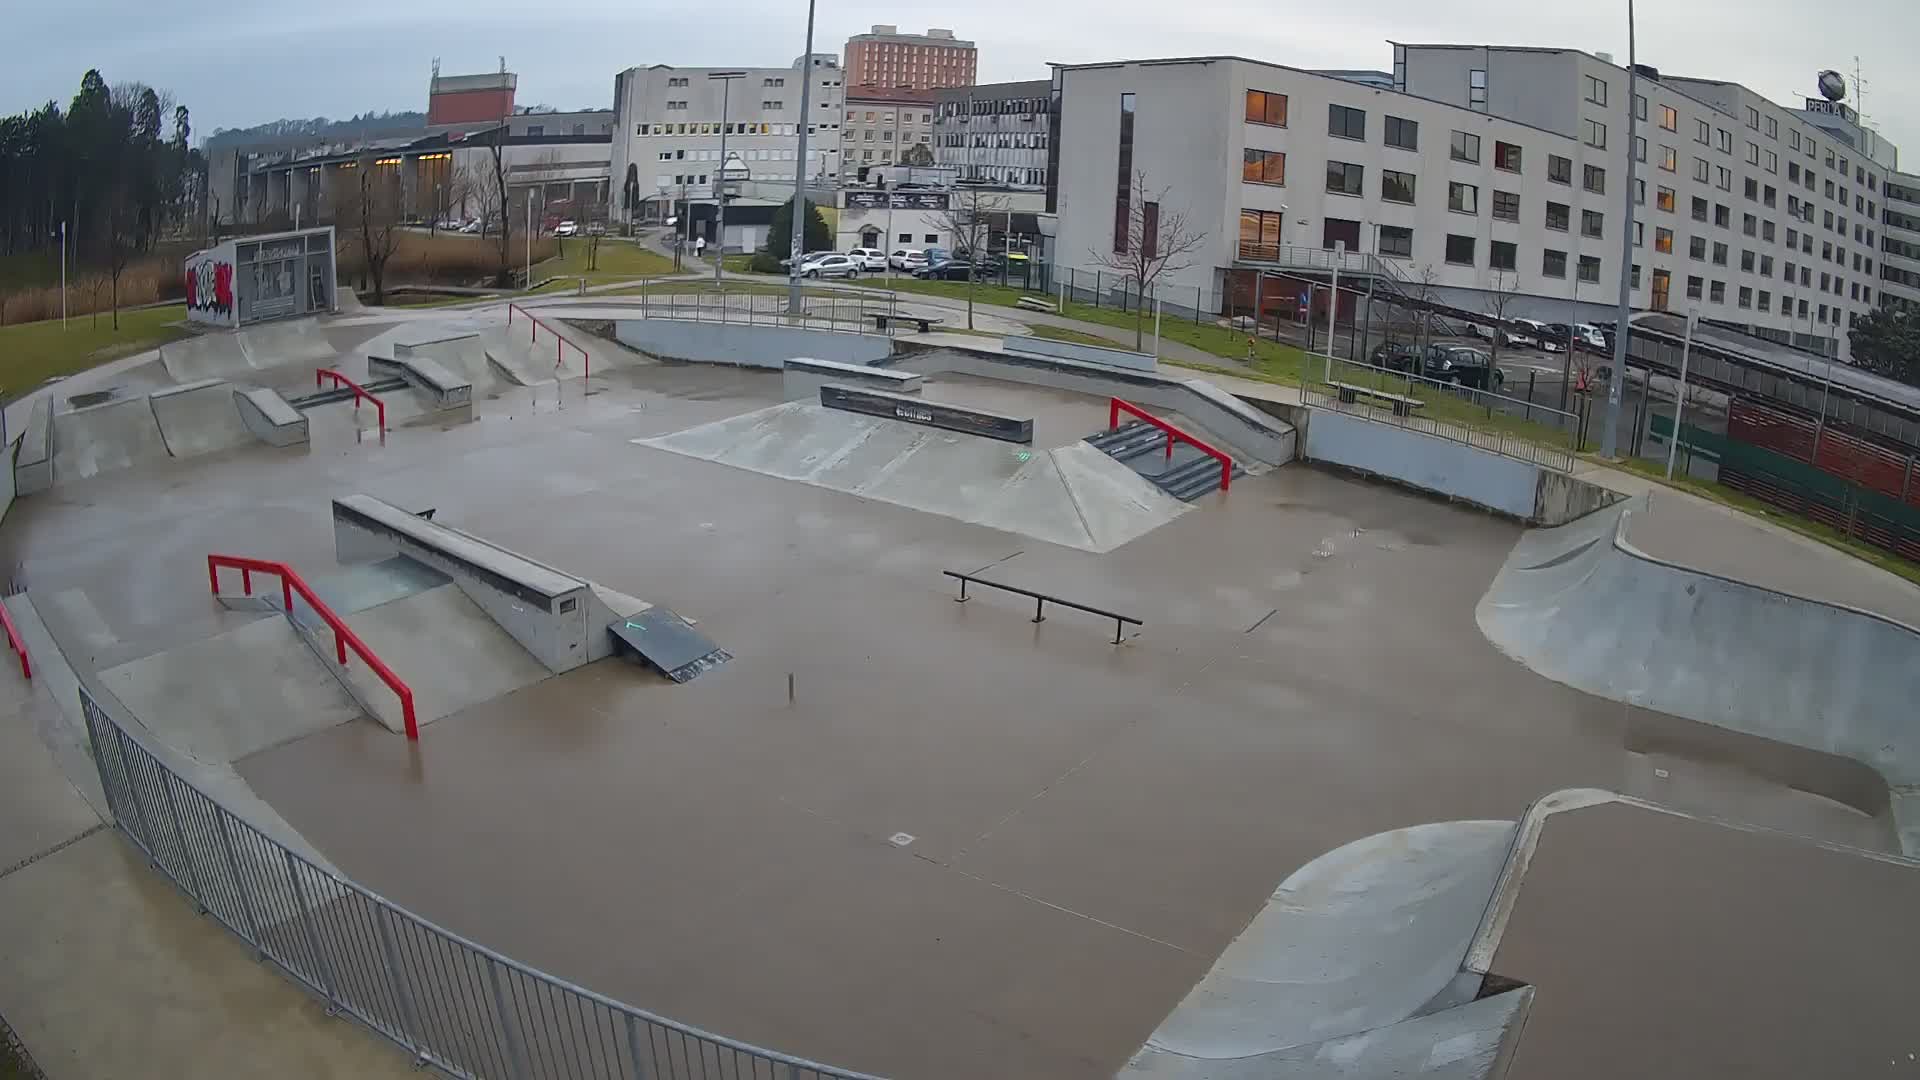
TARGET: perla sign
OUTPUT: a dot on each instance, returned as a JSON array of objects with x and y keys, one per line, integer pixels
[{"x": 1833, "y": 108}]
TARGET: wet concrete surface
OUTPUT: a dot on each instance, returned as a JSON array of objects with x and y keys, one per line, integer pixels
[
  {"x": 1725, "y": 953},
  {"x": 1091, "y": 825}
]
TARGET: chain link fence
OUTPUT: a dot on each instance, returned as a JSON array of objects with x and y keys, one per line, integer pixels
[{"x": 451, "y": 1003}]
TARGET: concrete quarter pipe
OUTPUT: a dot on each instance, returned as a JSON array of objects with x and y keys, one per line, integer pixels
[{"x": 1583, "y": 606}]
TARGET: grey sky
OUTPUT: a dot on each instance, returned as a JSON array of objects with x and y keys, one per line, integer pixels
[{"x": 240, "y": 64}]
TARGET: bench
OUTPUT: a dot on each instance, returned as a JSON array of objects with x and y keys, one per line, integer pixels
[
  {"x": 1034, "y": 303},
  {"x": 1402, "y": 405},
  {"x": 881, "y": 319}
]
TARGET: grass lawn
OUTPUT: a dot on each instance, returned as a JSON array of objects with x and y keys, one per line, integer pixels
[
  {"x": 1078, "y": 337},
  {"x": 1746, "y": 504},
  {"x": 705, "y": 286},
  {"x": 32, "y": 353},
  {"x": 615, "y": 261},
  {"x": 410, "y": 301}
]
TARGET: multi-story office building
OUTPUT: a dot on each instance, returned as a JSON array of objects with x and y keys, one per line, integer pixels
[
  {"x": 887, "y": 57},
  {"x": 881, "y": 126},
  {"x": 997, "y": 133},
  {"x": 668, "y": 126},
  {"x": 1900, "y": 241},
  {"x": 1487, "y": 170}
]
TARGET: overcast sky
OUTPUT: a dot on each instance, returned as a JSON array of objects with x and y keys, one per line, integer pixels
[{"x": 241, "y": 64}]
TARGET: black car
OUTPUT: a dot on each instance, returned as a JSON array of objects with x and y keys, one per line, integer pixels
[
  {"x": 1463, "y": 367},
  {"x": 1395, "y": 357},
  {"x": 950, "y": 270}
]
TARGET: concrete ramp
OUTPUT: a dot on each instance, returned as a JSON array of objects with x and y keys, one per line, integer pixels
[
  {"x": 289, "y": 341},
  {"x": 269, "y": 417},
  {"x": 1073, "y": 496},
  {"x": 213, "y": 354},
  {"x": 466, "y": 356},
  {"x": 1583, "y": 606},
  {"x": 200, "y": 418},
  {"x": 1358, "y": 940},
  {"x": 448, "y": 651},
  {"x": 117, "y": 435},
  {"x": 233, "y": 694},
  {"x": 511, "y": 355}
]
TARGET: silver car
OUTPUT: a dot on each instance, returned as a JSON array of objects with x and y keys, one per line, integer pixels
[{"x": 827, "y": 266}]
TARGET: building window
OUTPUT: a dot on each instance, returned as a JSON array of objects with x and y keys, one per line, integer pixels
[
  {"x": 1396, "y": 186},
  {"x": 1663, "y": 241},
  {"x": 1750, "y": 188},
  {"x": 1697, "y": 248},
  {"x": 1696, "y": 288},
  {"x": 1723, "y": 178},
  {"x": 1753, "y": 118},
  {"x": 1260, "y": 233},
  {"x": 1463, "y": 198},
  {"x": 1506, "y": 156},
  {"x": 1477, "y": 89},
  {"x": 1768, "y": 196},
  {"x": 1640, "y": 193},
  {"x": 1766, "y": 266},
  {"x": 1717, "y": 292},
  {"x": 1506, "y": 205},
  {"x": 1793, "y": 139},
  {"x": 1726, "y": 140},
  {"x": 1663, "y": 199},
  {"x": 1465, "y": 147},
  {"x": 1669, "y": 159},
  {"x": 1404, "y": 134},
  {"x": 1591, "y": 223},
  {"x": 1553, "y": 263},
  {"x": 1723, "y": 215},
  {"x": 1459, "y": 249},
  {"x": 1266, "y": 108},
  {"x": 1345, "y": 123},
  {"x": 1345, "y": 179},
  {"x": 1766, "y": 300},
  {"x": 1593, "y": 178},
  {"x": 1640, "y": 106},
  {"x": 1773, "y": 162},
  {"x": 1702, "y": 132},
  {"x": 1594, "y": 134},
  {"x": 1749, "y": 225},
  {"x": 1669, "y": 119},
  {"x": 1590, "y": 268},
  {"x": 1639, "y": 233},
  {"x": 1557, "y": 216},
  {"x": 1747, "y": 261},
  {"x": 1560, "y": 169},
  {"x": 1123, "y": 188},
  {"x": 1701, "y": 171},
  {"x": 1719, "y": 253},
  {"x": 1639, "y": 148},
  {"x": 1596, "y": 90},
  {"x": 1396, "y": 241},
  {"x": 1502, "y": 255},
  {"x": 1773, "y": 128},
  {"x": 1264, "y": 167},
  {"x": 1753, "y": 153}
]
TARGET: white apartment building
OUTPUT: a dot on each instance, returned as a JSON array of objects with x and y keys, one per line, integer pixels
[
  {"x": 668, "y": 126},
  {"x": 1489, "y": 169},
  {"x": 881, "y": 126},
  {"x": 997, "y": 133},
  {"x": 1900, "y": 241}
]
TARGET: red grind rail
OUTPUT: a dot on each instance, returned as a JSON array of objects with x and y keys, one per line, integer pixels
[
  {"x": 559, "y": 343},
  {"x": 359, "y": 392},
  {"x": 1115, "y": 407},
  {"x": 16, "y": 642},
  {"x": 343, "y": 636}
]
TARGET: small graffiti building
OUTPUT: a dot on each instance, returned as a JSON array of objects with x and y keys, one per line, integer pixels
[{"x": 251, "y": 279}]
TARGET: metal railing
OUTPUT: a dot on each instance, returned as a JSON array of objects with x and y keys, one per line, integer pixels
[
  {"x": 1115, "y": 407},
  {"x": 15, "y": 642},
  {"x": 1460, "y": 413},
  {"x": 560, "y": 344},
  {"x": 849, "y": 314},
  {"x": 1041, "y": 600},
  {"x": 451, "y": 1003},
  {"x": 360, "y": 393}
]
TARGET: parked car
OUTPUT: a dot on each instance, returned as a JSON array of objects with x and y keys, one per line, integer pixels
[
  {"x": 471, "y": 226},
  {"x": 566, "y": 228},
  {"x": 1462, "y": 366},
  {"x": 1536, "y": 334},
  {"x": 1585, "y": 338},
  {"x": 832, "y": 264},
  {"x": 869, "y": 258},
  {"x": 908, "y": 259},
  {"x": 808, "y": 259},
  {"x": 596, "y": 228},
  {"x": 949, "y": 270},
  {"x": 1395, "y": 357}
]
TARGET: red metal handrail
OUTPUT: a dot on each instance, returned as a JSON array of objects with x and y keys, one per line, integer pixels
[
  {"x": 559, "y": 343},
  {"x": 343, "y": 635},
  {"x": 359, "y": 392},
  {"x": 16, "y": 642},
  {"x": 1115, "y": 407}
]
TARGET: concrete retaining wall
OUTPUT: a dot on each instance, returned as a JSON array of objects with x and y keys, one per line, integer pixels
[
  {"x": 1442, "y": 466},
  {"x": 746, "y": 346},
  {"x": 1223, "y": 417},
  {"x": 269, "y": 417},
  {"x": 1069, "y": 350},
  {"x": 803, "y": 377}
]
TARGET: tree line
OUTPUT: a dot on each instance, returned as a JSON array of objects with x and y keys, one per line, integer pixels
[{"x": 114, "y": 167}]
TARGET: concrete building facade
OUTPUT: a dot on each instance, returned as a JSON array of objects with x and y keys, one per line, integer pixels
[
  {"x": 668, "y": 127},
  {"x": 886, "y": 57},
  {"x": 997, "y": 133},
  {"x": 881, "y": 126},
  {"x": 1900, "y": 241}
]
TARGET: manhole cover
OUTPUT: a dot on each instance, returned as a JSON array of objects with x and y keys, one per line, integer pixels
[{"x": 92, "y": 397}]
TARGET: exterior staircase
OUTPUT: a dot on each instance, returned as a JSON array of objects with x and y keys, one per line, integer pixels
[{"x": 1186, "y": 475}]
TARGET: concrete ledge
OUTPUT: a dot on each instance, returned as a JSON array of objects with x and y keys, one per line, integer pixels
[
  {"x": 745, "y": 345},
  {"x": 802, "y": 377},
  {"x": 269, "y": 417},
  {"x": 33, "y": 461},
  {"x": 1070, "y": 350},
  {"x": 425, "y": 374},
  {"x": 980, "y": 422}
]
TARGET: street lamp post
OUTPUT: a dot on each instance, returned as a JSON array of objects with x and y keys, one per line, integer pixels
[
  {"x": 725, "y": 79},
  {"x": 800, "y": 172},
  {"x": 1679, "y": 398},
  {"x": 1621, "y": 330}
]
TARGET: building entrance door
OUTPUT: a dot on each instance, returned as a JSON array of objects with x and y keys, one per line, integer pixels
[{"x": 1662, "y": 282}]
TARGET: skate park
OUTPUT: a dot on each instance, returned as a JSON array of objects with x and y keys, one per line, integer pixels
[{"x": 1349, "y": 796}]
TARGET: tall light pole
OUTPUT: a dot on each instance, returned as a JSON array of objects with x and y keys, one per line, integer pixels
[
  {"x": 725, "y": 79},
  {"x": 63, "y": 275},
  {"x": 800, "y": 172},
  {"x": 1680, "y": 398},
  {"x": 1621, "y": 330}
]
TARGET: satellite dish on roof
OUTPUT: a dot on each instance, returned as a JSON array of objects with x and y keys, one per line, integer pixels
[{"x": 1833, "y": 87}]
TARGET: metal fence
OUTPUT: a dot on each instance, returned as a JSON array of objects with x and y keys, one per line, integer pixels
[
  {"x": 1105, "y": 288},
  {"x": 451, "y": 1003},
  {"x": 1448, "y": 410},
  {"x": 849, "y": 314}
]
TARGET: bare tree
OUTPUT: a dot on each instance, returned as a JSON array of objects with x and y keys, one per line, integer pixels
[
  {"x": 1501, "y": 291},
  {"x": 367, "y": 206},
  {"x": 495, "y": 191},
  {"x": 968, "y": 218},
  {"x": 1157, "y": 241}
]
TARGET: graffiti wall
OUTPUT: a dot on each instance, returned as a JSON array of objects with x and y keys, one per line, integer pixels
[{"x": 209, "y": 280}]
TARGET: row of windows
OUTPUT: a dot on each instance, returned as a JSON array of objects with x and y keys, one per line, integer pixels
[
  {"x": 853, "y": 116},
  {"x": 1501, "y": 255},
  {"x": 996, "y": 106},
  {"x": 715, "y": 129}
]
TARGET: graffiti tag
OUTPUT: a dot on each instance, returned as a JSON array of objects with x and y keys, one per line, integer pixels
[{"x": 210, "y": 287}]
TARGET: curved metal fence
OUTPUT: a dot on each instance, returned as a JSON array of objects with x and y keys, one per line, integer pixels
[{"x": 453, "y": 1004}]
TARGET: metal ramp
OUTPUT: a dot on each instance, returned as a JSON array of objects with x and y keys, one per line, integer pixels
[
  {"x": 668, "y": 643},
  {"x": 1186, "y": 475}
]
